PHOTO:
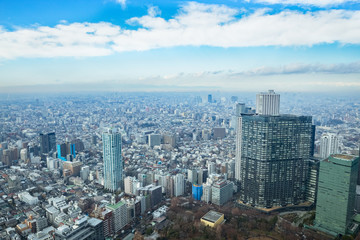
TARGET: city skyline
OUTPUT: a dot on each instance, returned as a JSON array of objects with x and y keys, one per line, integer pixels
[{"x": 302, "y": 46}]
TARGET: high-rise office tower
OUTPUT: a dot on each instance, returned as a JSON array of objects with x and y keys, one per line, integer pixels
[
  {"x": 268, "y": 103},
  {"x": 113, "y": 164},
  {"x": 47, "y": 142},
  {"x": 329, "y": 144},
  {"x": 272, "y": 153},
  {"x": 336, "y": 193},
  {"x": 274, "y": 159}
]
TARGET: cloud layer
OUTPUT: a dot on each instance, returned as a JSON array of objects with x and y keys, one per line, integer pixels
[
  {"x": 319, "y": 3},
  {"x": 195, "y": 25}
]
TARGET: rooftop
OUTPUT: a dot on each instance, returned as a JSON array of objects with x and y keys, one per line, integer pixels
[
  {"x": 343, "y": 157},
  {"x": 212, "y": 216},
  {"x": 117, "y": 205}
]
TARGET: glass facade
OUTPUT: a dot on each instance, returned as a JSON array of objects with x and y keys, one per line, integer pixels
[
  {"x": 274, "y": 159},
  {"x": 113, "y": 165},
  {"x": 336, "y": 191}
]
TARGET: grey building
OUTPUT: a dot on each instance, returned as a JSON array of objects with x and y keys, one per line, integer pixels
[
  {"x": 273, "y": 152},
  {"x": 221, "y": 192}
]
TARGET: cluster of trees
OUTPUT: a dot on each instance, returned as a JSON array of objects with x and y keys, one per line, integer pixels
[{"x": 240, "y": 224}]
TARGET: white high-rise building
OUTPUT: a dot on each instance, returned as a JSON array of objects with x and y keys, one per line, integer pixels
[
  {"x": 179, "y": 181},
  {"x": 268, "y": 103},
  {"x": 131, "y": 184},
  {"x": 85, "y": 172},
  {"x": 329, "y": 144},
  {"x": 113, "y": 164},
  {"x": 211, "y": 168},
  {"x": 238, "y": 149}
]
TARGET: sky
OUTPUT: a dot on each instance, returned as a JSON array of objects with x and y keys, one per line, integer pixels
[{"x": 128, "y": 45}]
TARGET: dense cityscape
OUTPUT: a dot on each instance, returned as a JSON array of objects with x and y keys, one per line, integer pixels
[{"x": 179, "y": 165}]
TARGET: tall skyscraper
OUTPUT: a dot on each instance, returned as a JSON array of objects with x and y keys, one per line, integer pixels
[
  {"x": 274, "y": 159},
  {"x": 272, "y": 153},
  {"x": 113, "y": 164},
  {"x": 47, "y": 142},
  {"x": 210, "y": 98},
  {"x": 268, "y": 103},
  {"x": 329, "y": 144},
  {"x": 336, "y": 193}
]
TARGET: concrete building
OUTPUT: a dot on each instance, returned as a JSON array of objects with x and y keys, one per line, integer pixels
[
  {"x": 113, "y": 164},
  {"x": 329, "y": 144},
  {"x": 336, "y": 193},
  {"x": 207, "y": 194},
  {"x": 119, "y": 215},
  {"x": 179, "y": 185},
  {"x": 221, "y": 192},
  {"x": 268, "y": 103},
  {"x": 27, "y": 198},
  {"x": 154, "y": 140}
]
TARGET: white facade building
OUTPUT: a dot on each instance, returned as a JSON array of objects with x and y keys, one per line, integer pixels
[
  {"x": 27, "y": 198},
  {"x": 268, "y": 103},
  {"x": 329, "y": 144}
]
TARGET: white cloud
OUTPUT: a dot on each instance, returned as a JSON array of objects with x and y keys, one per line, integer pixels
[
  {"x": 195, "y": 25},
  {"x": 319, "y": 3},
  {"x": 121, "y": 2}
]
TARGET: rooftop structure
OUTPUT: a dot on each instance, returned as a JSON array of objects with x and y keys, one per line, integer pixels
[{"x": 212, "y": 218}]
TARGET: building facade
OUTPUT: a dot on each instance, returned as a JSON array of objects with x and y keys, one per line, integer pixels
[
  {"x": 113, "y": 164},
  {"x": 336, "y": 193},
  {"x": 273, "y": 153},
  {"x": 329, "y": 144},
  {"x": 221, "y": 192},
  {"x": 268, "y": 103}
]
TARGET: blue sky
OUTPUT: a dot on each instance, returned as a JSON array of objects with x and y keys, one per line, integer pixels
[{"x": 124, "y": 45}]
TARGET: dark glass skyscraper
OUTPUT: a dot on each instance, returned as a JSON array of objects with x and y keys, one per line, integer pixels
[
  {"x": 273, "y": 159},
  {"x": 47, "y": 142}
]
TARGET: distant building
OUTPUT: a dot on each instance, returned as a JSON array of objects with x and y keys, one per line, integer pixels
[
  {"x": 152, "y": 193},
  {"x": 73, "y": 167},
  {"x": 219, "y": 133},
  {"x": 179, "y": 185},
  {"x": 336, "y": 193},
  {"x": 210, "y": 100},
  {"x": 329, "y": 144},
  {"x": 154, "y": 140},
  {"x": 268, "y": 103},
  {"x": 113, "y": 163},
  {"x": 47, "y": 142},
  {"x": 239, "y": 109}
]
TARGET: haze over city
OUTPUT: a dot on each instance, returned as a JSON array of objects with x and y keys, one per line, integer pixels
[{"x": 165, "y": 120}]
